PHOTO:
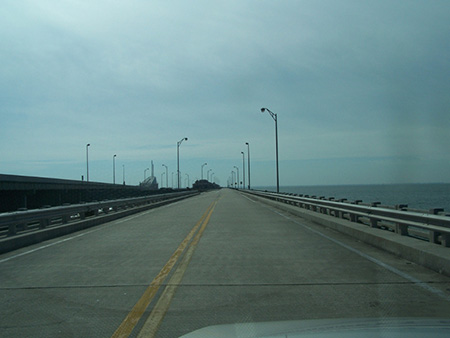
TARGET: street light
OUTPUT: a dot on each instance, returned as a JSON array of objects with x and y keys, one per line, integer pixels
[
  {"x": 145, "y": 172},
  {"x": 87, "y": 162},
  {"x": 123, "y": 166},
  {"x": 274, "y": 116},
  {"x": 237, "y": 169},
  {"x": 243, "y": 170},
  {"x": 248, "y": 158},
  {"x": 178, "y": 159},
  {"x": 167, "y": 176},
  {"x": 202, "y": 168},
  {"x": 207, "y": 174},
  {"x": 114, "y": 169},
  {"x": 188, "y": 181},
  {"x": 162, "y": 174}
]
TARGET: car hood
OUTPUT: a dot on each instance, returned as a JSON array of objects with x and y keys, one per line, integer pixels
[{"x": 328, "y": 328}]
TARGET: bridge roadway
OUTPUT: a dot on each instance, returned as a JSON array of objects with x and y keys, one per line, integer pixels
[{"x": 220, "y": 257}]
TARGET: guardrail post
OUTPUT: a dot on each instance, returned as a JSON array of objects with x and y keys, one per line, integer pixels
[
  {"x": 65, "y": 218},
  {"x": 331, "y": 211},
  {"x": 433, "y": 236},
  {"x": 445, "y": 240},
  {"x": 322, "y": 209},
  {"x": 313, "y": 207},
  {"x": 435, "y": 211},
  {"x": 339, "y": 213},
  {"x": 12, "y": 229},
  {"x": 373, "y": 222},
  {"x": 43, "y": 223},
  {"x": 354, "y": 217},
  {"x": 401, "y": 229}
]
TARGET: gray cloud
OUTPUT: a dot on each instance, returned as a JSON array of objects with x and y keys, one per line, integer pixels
[{"x": 349, "y": 79}]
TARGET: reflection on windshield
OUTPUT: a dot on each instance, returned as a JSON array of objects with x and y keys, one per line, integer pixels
[{"x": 109, "y": 110}]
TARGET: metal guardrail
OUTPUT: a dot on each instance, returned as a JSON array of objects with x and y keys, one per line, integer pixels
[
  {"x": 427, "y": 226},
  {"x": 21, "y": 222}
]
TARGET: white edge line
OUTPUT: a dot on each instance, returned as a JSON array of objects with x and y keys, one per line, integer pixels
[
  {"x": 122, "y": 220},
  {"x": 248, "y": 198},
  {"x": 412, "y": 279}
]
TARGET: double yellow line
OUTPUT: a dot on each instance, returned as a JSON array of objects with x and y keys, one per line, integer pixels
[{"x": 157, "y": 315}]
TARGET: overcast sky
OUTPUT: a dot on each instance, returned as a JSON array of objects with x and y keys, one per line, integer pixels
[{"x": 361, "y": 89}]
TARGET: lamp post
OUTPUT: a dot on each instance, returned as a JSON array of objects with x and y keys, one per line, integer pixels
[
  {"x": 167, "y": 176},
  {"x": 123, "y": 166},
  {"x": 232, "y": 179},
  {"x": 145, "y": 172},
  {"x": 202, "y": 168},
  {"x": 207, "y": 174},
  {"x": 87, "y": 162},
  {"x": 188, "y": 181},
  {"x": 248, "y": 158},
  {"x": 162, "y": 174},
  {"x": 275, "y": 118},
  {"x": 243, "y": 170},
  {"x": 237, "y": 169},
  {"x": 178, "y": 159},
  {"x": 114, "y": 169}
]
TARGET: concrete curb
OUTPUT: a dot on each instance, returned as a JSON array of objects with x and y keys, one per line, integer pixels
[
  {"x": 429, "y": 255},
  {"x": 20, "y": 241}
]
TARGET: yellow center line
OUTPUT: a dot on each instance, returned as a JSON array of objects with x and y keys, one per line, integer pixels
[
  {"x": 156, "y": 317},
  {"x": 128, "y": 324}
]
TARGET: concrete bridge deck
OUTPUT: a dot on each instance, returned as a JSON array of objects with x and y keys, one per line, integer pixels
[{"x": 217, "y": 258}]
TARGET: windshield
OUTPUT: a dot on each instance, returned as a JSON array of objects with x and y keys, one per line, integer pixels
[{"x": 338, "y": 101}]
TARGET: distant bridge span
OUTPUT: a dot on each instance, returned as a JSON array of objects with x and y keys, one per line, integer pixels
[{"x": 28, "y": 192}]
